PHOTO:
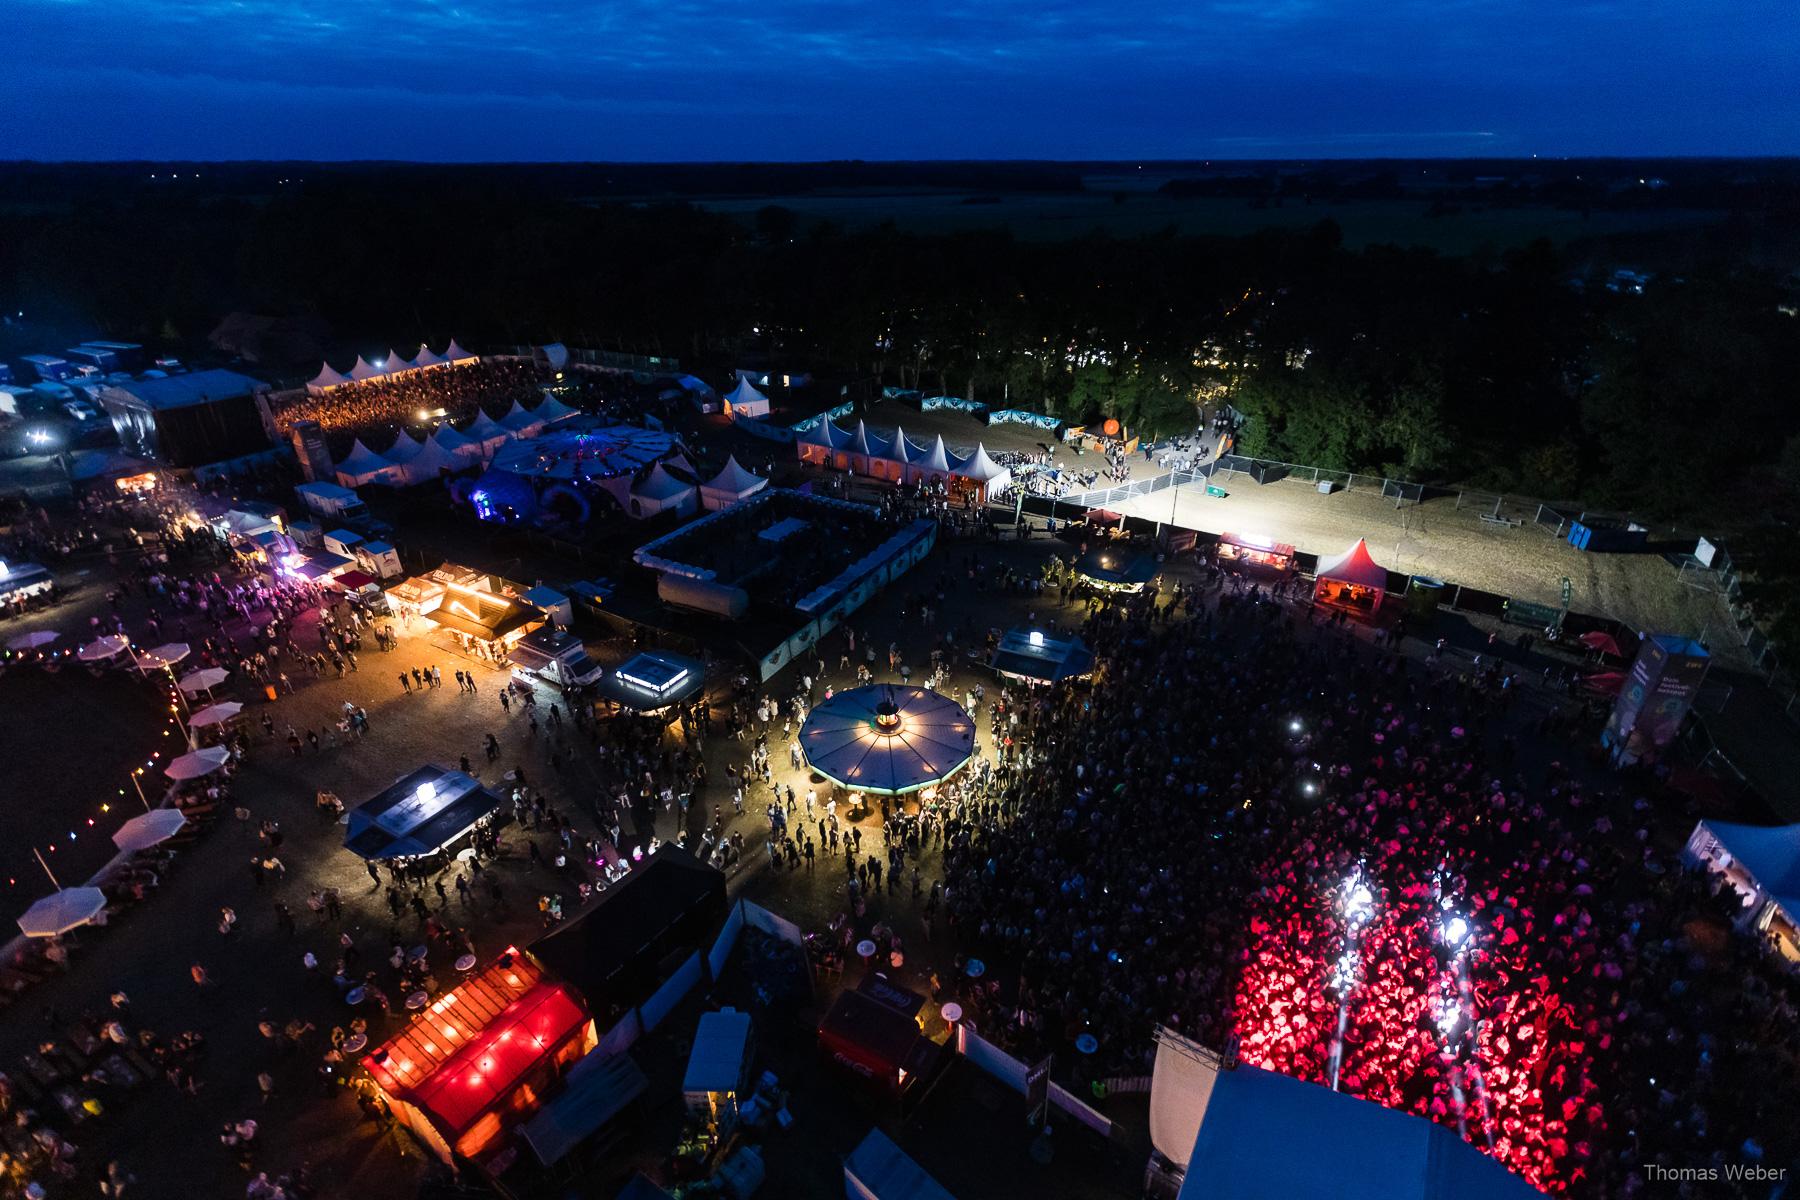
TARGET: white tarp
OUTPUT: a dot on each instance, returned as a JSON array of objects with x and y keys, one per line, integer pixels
[{"x": 1180, "y": 1086}]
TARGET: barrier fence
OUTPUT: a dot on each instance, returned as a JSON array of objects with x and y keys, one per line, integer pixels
[{"x": 1010, "y": 1071}]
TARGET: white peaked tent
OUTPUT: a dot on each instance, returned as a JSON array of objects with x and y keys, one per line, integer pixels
[
  {"x": 426, "y": 465},
  {"x": 486, "y": 431},
  {"x": 362, "y": 370},
  {"x": 363, "y": 465},
  {"x": 867, "y": 444},
  {"x": 552, "y": 409},
  {"x": 405, "y": 448},
  {"x": 427, "y": 359},
  {"x": 465, "y": 449},
  {"x": 729, "y": 486},
  {"x": 325, "y": 380},
  {"x": 746, "y": 401},
  {"x": 817, "y": 444},
  {"x": 659, "y": 492},
  {"x": 455, "y": 353},
  {"x": 521, "y": 423},
  {"x": 935, "y": 461},
  {"x": 987, "y": 475},
  {"x": 901, "y": 450},
  {"x": 396, "y": 362}
]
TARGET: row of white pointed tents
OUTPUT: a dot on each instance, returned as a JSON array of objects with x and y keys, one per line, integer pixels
[
  {"x": 899, "y": 458},
  {"x": 395, "y": 363},
  {"x": 412, "y": 460}
]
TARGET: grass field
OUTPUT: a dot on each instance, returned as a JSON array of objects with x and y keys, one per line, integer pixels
[{"x": 1128, "y": 212}]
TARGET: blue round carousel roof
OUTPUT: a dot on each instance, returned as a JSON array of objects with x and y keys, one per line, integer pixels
[
  {"x": 887, "y": 739},
  {"x": 587, "y": 451}
]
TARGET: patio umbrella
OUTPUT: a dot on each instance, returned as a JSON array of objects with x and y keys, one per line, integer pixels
[
  {"x": 216, "y": 714},
  {"x": 149, "y": 829},
  {"x": 197, "y": 763},
  {"x": 62, "y": 911},
  {"x": 204, "y": 680},
  {"x": 1606, "y": 683},
  {"x": 35, "y": 640},
  {"x": 1605, "y": 643},
  {"x": 165, "y": 655},
  {"x": 102, "y": 648}
]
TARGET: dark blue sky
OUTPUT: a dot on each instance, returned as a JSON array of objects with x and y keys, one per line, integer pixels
[{"x": 811, "y": 79}]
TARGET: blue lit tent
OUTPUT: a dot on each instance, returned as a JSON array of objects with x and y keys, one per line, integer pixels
[{"x": 887, "y": 739}]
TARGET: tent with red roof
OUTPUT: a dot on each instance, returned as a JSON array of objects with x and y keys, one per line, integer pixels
[{"x": 1353, "y": 582}]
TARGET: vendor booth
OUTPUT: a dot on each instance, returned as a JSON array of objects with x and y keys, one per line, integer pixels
[
  {"x": 654, "y": 680},
  {"x": 419, "y": 814},
  {"x": 1762, "y": 866},
  {"x": 730, "y": 485},
  {"x": 873, "y": 1032},
  {"x": 1032, "y": 656},
  {"x": 1115, "y": 569},
  {"x": 879, "y": 1170},
  {"x": 1352, "y": 582},
  {"x": 718, "y": 1069},
  {"x": 619, "y": 950},
  {"x": 483, "y": 623},
  {"x": 20, "y": 582},
  {"x": 1251, "y": 551},
  {"x": 477, "y": 1062}
]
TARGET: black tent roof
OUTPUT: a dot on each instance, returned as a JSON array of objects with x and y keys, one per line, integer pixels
[{"x": 611, "y": 951}]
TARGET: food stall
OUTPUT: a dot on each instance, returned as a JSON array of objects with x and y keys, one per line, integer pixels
[
  {"x": 874, "y": 1032},
  {"x": 476, "y": 1062},
  {"x": 1247, "y": 551},
  {"x": 1353, "y": 582},
  {"x": 1115, "y": 569},
  {"x": 718, "y": 1067}
]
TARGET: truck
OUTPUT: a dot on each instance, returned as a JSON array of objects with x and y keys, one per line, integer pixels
[
  {"x": 333, "y": 504},
  {"x": 555, "y": 656}
]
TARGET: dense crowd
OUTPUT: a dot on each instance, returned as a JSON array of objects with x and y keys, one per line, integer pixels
[
  {"x": 1185, "y": 843},
  {"x": 377, "y": 410}
]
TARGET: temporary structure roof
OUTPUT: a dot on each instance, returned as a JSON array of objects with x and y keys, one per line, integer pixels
[
  {"x": 845, "y": 740},
  {"x": 521, "y": 422},
  {"x": 431, "y": 459},
  {"x": 721, "y": 1043},
  {"x": 552, "y": 409},
  {"x": 1355, "y": 566},
  {"x": 397, "y": 361},
  {"x": 486, "y": 430},
  {"x": 901, "y": 450},
  {"x": 458, "y": 444},
  {"x": 881, "y": 1169},
  {"x": 732, "y": 483},
  {"x": 863, "y": 442},
  {"x": 455, "y": 353},
  {"x": 406, "y": 447},
  {"x": 600, "y": 1087},
  {"x": 825, "y": 434},
  {"x": 979, "y": 467},
  {"x": 1356, "y": 1149},
  {"x": 419, "y": 813},
  {"x": 745, "y": 393},
  {"x": 660, "y": 485},
  {"x": 1769, "y": 855},
  {"x": 362, "y": 370},
  {"x": 934, "y": 459},
  {"x": 427, "y": 359},
  {"x": 362, "y": 465},
  {"x": 326, "y": 378}
]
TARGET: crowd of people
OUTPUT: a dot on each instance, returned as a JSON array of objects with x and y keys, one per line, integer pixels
[{"x": 1184, "y": 844}]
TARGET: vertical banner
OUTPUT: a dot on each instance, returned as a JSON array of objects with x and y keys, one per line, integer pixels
[
  {"x": 1656, "y": 696},
  {"x": 1037, "y": 1091}
]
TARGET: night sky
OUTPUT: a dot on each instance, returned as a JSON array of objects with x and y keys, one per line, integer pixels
[{"x": 813, "y": 79}]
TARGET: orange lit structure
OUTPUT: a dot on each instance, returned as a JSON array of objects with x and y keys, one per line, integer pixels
[
  {"x": 1353, "y": 582},
  {"x": 1251, "y": 550},
  {"x": 481, "y": 1059}
]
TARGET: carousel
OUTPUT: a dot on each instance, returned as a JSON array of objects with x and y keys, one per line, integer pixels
[{"x": 887, "y": 740}]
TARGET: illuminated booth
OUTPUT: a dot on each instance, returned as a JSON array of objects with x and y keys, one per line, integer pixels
[
  {"x": 1032, "y": 656},
  {"x": 1352, "y": 582},
  {"x": 483, "y": 622},
  {"x": 874, "y": 1032},
  {"x": 479, "y": 1060},
  {"x": 418, "y": 815},
  {"x": 886, "y": 739},
  {"x": 653, "y": 680},
  {"x": 1255, "y": 551},
  {"x": 1762, "y": 866},
  {"x": 19, "y": 582},
  {"x": 1111, "y": 569}
]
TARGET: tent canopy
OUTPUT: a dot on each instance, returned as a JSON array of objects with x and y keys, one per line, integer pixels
[
  {"x": 979, "y": 467},
  {"x": 745, "y": 393},
  {"x": 1770, "y": 855},
  {"x": 600, "y": 1087},
  {"x": 660, "y": 485},
  {"x": 886, "y": 739},
  {"x": 1354, "y": 1149},
  {"x": 485, "y": 429},
  {"x": 734, "y": 478},
  {"x": 936, "y": 458},
  {"x": 62, "y": 911},
  {"x": 455, "y": 353},
  {"x": 881, "y": 1169},
  {"x": 418, "y": 814},
  {"x": 363, "y": 370},
  {"x": 361, "y": 465},
  {"x": 1355, "y": 566},
  {"x": 721, "y": 1044},
  {"x": 326, "y": 378},
  {"x": 405, "y": 448},
  {"x": 825, "y": 434},
  {"x": 552, "y": 409}
]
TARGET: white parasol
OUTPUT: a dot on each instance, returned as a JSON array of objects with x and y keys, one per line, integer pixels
[
  {"x": 197, "y": 763},
  {"x": 204, "y": 680},
  {"x": 62, "y": 911},
  {"x": 149, "y": 829},
  {"x": 216, "y": 714},
  {"x": 37, "y": 639},
  {"x": 102, "y": 648}
]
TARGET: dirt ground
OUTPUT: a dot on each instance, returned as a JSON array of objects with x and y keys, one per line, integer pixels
[{"x": 1456, "y": 545}]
